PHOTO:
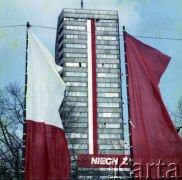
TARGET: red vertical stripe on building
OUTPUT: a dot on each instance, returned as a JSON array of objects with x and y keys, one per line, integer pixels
[{"x": 94, "y": 87}]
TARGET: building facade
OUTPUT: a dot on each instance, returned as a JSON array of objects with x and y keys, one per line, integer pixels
[{"x": 88, "y": 48}]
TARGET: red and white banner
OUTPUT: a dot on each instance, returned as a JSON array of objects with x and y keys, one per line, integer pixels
[
  {"x": 47, "y": 154},
  {"x": 157, "y": 147},
  {"x": 103, "y": 161},
  {"x": 92, "y": 88}
]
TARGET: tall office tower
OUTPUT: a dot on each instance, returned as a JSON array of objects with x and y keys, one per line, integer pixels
[{"x": 88, "y": 48}]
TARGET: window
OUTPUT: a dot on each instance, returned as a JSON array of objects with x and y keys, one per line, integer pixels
[
  {"x": 79, "y": 46},
  {"x": 76, "y": 93},
  {"x": 76, "y": 55},
  {"x": 81, "y": 114},
  {"x": 109, "y": 136},
  {"x": 76, "y": 84},
  {"x": 108, "y": 85},
  {"x": 104, "y": 28},
  {"x": 106, "y": 65},
  {"x": 74, "y": 19},
  {"x": 111, "y": 38},
  {"x": 78, "y": 135},
  {"x": 108, "y": 75},
  {"x": 107, "y": 56},
  {"x": 109, "y": 125},
  {"x": 76, "y": 36},
  {"x": 76, "y": 27},
  {"x": 82, "y": 104},
  {"x": 109, "y": 114},
  {"x": 76, "y": 74},
  {"x": 108, "y": 104},
  {"x": 108, "y": 94},
  {"x": 106, "y": 47},
  {"x": 106, "y": 20},
  {"x": 77, "y": 146},
  {"x": 70, "y": 64}
]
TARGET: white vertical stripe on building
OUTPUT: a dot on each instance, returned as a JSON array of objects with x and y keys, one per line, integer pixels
[{"x": 90, "y": 90}]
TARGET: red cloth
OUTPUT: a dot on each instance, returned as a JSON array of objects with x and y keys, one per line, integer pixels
[
  {"x": 154, "y": 137},
  {"x": 47, "y": 154}
]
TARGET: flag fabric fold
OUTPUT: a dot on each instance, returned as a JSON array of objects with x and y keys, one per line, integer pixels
[
  {"x": 157, "y": 147},
  {"x": 47, "y": 154}
]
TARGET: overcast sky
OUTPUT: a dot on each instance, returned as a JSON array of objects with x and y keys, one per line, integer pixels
[{"x": 150, "y": 18}]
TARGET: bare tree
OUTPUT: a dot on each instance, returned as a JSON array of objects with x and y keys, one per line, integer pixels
[
  {"x": 11, "y": 119},
  {"x": 11, "y": 130},
  {"x": 177, "y": 117}
]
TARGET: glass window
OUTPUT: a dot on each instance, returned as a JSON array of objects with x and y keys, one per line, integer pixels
[
  {"x": 76, "y": 74},
  {"x": 82, "y": 104},
  {"x": 108, "y": 75},
  {"x": 70, "y": 64},
  {"x": 76, "y": 84},
  {"x": 109, "y": 136},
  {"x": 107, "y": 56},
  {"x": 106, "y": 28},
  {"x": 109, "y": 125},
  {"x": 106, "y": 65},
  {"x": 75, "y": 36},
  {"x": 71, "y": 93},
  {"x": 108, "y": 104},
  {"x": 107, "y": 47},
  {"x": 108, "y": 94},
  {"x": 109, "y": 114},
  {"x": 81, "y": 114},
  {"x": 75, "y": 27},
  {"x": 76, "y": 55},
  {"x": 110, "y": 38},
  {"x": 107, "y": 84},
  {"x": 79, "y": 46},
  {"x": 78, "y": 135}
]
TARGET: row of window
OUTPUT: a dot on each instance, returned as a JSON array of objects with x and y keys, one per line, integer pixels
[
  {"x": 76, "y": 93},
  {"x": 83, "y": 94},
  {"x": 101, "y": 28},
  {"x": 100, "y": 56},
  {"x": 108, "y": 94},
  {"x": 108, "y": 75},
  {"x": 105, "y": 65},
  {"x": 77, "y": 74},
  {"x": 106, "y": 28},
  {"x": 84, "y": 104},
  {"x": 76, "y": 36},
  {"x": 109, "y": 114},
  {"x": 109, "y": 136},
  {"x": 76, "y": 55},
  {"x": 71, "y": 64},
  {"x": 104, "y": 104},
  {"x": 106, "y": 47},
  {"x": 109, "y": 85},
  {"x": 107, "y": 56},
  {"x": 79, "y": 46},
  {"x": 84, "y": 20},
  {"x": 110, "y": 38},
  {"x": 99, "y": 75},
  {"x": 84, "y": 84},
  {"x": 75, "y": 27},
  {"x": 110, "y": 125}
]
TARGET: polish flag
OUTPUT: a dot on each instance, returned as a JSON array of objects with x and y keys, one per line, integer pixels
[{"x": 46, "y": 155}]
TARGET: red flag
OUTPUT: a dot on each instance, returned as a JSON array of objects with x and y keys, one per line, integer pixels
[
  {"x": 47, "y": 154},
  {"x": 157, "y": 147}
]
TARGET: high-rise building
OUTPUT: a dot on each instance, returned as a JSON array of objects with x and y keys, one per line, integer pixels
[{"x": 88, "y": 48}]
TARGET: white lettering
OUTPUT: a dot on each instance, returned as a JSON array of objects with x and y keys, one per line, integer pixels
[{"x": 103, "y": 161}]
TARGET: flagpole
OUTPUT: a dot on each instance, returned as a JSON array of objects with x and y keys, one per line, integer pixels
[
  {"x": 128, "y": 101},
  {"x": 24, "y": 110}
]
